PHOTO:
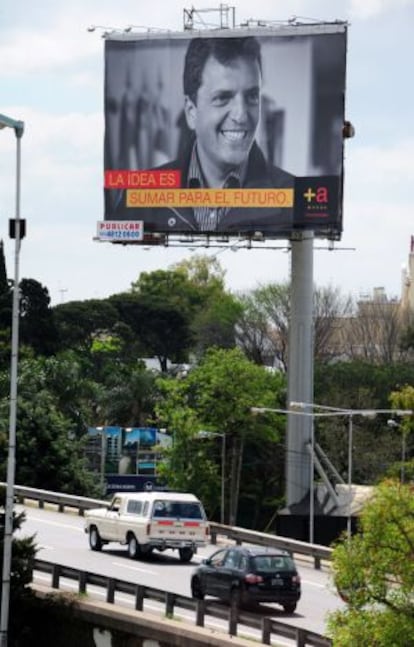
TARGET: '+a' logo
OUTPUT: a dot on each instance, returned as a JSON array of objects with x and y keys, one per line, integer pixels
[
  {"x": 309, "y": 195},
  {"x": 320, "y": 196}
]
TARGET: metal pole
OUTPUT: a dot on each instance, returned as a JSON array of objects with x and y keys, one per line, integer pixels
[
  {"x": 11, "y": 458},
  {"x": 349, "y": 520},
  {"x": 223, "y": 473},
  {"x": 312, "y": 485},
  {"x": 403, "y": 453},
  {"x": 300, "y": 368},
  {"x": 103, "y": 458}
]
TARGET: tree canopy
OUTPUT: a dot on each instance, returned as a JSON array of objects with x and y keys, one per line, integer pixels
[
  {"x": 217, "y": 396},
  {"x": 374, "y": 572}
]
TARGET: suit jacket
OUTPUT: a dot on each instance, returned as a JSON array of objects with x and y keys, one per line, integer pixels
[{"x": 259, "y": 175}]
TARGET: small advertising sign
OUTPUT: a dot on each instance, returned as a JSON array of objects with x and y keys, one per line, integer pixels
[{"x": 128, "y": 231}]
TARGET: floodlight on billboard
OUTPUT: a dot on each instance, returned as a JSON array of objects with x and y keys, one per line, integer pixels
[{"x": 229, "y": 132}]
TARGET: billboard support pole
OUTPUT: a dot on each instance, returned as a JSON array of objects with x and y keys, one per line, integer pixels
[{"x": 300, "y": 370}]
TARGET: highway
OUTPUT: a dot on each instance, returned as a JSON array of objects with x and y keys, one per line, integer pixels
[{"x": 61, "y": 539}]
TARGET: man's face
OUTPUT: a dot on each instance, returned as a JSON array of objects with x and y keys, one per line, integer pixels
[{"x": 226, "y": 114}]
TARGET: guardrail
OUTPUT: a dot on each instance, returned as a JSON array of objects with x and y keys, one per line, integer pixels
[
  {"x": 201, "y": 608},
  {"x": 239, "y": 535}
]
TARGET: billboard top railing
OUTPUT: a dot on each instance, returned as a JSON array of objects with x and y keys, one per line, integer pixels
[{"x": 281, "y": 29}]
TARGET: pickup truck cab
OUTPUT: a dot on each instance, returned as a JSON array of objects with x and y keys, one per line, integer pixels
[{"x": 145, "y": 521}]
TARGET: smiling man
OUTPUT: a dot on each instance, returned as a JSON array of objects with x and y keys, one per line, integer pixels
[
  {"x": 222, "y": 79},
  {"x": 222, "y": 83},
  {"x": 222, "y": 87}
]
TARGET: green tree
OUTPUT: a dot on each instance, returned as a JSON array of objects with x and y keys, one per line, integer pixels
[
  {"x": 215, "y": 311},
  {"x": 21, "y": 571},
  {"x": 37, "y": 327},
  {"x": 217, "y": 396},
  {"x": 360, "y": 385},
  {"x": 374, "y": 572},
  {"x": 160, "y": 325},
  {"x": 215, "y": 323},
  {"x": 79, "y": 323},
  {"x": 129, "y": 397},
  {"x": 203, "y": 271},
  {"x": 49, "y": 453}
]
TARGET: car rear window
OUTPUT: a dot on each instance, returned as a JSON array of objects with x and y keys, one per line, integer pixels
[
  {"x": 177, "y": 509},
  {"x": 273, "y": 563}
]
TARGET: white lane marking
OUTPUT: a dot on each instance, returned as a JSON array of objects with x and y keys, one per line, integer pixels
[
  {"x": 55, "y": 523},
  {"x": 319, "y": 586},
  {"x": 135, "y": 568}
]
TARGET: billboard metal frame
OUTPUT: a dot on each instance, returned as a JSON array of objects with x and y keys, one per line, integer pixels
[{"x": 315, "y": 197}]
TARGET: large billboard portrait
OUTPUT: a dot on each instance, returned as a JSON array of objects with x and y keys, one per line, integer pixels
[{"x": 226, "y": 132}]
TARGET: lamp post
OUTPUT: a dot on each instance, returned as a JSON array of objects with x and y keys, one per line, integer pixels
[
  {"x": 102, "y": 431},
  {"x": 212, "y": 434},
  {"x": 15, "y": 231},
  {"x": 350, "y": 413},
  {"x": 308, "y": 409},
  {"x": 395, "y": 425}
]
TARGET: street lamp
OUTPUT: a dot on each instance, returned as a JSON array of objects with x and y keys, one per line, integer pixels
[
  {"x": 16, "y": 232},
  {"x": 338, "y": 411},
  {"x": 212, "y": 434},
  {"x": 308, "y": 409},
  {"x": 395, "y": 425}
]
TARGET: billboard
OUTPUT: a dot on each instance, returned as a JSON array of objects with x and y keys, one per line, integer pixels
[{"x": 227, "y": 132}]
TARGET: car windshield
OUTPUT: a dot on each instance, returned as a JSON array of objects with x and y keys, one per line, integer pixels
[{"x": 271, "y": 563}]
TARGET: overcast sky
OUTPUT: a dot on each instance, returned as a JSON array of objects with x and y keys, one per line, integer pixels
[{"x": 51, "y": 77}]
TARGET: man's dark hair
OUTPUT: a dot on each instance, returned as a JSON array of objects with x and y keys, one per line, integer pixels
[{"x": 225, "y": 50}]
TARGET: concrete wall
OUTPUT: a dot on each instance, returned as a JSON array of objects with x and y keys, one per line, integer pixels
[{"x": 69, "y": 620}]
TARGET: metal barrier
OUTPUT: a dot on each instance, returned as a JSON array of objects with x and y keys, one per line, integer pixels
[
  {"x": 239, "y": 535},
  {"x": 201, "y": 608}
]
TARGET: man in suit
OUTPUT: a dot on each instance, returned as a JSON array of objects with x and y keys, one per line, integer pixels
[{"x": 222, "y": 101}]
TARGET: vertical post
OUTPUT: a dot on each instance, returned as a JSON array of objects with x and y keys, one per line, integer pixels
[
  {"x": 223, "y": 475},
  {"x": 312, "y": 485},
  {"x": 403, "y": 454},
  {"x": 103, "y": 458},
  {"x": 350, "y": 442},
  {"x": 11, "y": 457},
  {"x": 300, "y": 368}
]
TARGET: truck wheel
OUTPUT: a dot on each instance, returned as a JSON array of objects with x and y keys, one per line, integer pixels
[
  {"x": 186, "y": 554},
  {"x": 145, "y": 550},
  {"x": 95, "y": 541},
  {"x": 289, "y": 607},
  {"x": 133, "y": 547}
]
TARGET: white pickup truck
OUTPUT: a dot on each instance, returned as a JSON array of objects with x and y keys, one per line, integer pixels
[{"x": 145, "y": 521}]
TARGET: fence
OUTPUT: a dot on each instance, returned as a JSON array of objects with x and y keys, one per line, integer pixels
[{"x": 201, "y": 608}]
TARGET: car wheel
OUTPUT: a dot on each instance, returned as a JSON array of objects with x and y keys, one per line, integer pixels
[
  {"x": 289, "y": 607},
  {"x": 95, "y": 541},
  {"x": 196, "y": 589},
  {"x": 133, "y": 547},
  {"x": 186, "y": 554}
]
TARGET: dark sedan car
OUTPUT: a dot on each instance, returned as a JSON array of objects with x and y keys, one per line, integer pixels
[{"x": 248, "y": 575}]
